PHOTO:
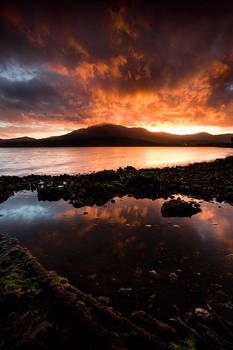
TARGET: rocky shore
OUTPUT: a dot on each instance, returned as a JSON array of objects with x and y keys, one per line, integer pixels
[{"x": 42, "y": 310}]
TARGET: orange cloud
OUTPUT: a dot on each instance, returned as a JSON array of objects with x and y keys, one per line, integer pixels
[{"x": 156, "y": 66}]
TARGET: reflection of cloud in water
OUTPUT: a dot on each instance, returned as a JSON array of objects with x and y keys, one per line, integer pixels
[
  {"x": 212, "y": 223},
  {"x": 122, "y": 212},
  {"x": 55, "y": 223},
  {"x": 25, "y": 206},
  {"x": 216, "y": 223},
  {"x": 26, "y": 212}
]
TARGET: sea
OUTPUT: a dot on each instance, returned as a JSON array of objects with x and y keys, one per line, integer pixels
[{"x": 74, "y": 160}]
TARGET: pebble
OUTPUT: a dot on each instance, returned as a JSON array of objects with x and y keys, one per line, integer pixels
[
  {"x": 173, "y": 276},
  {"x": 228, "y": 306},
  {"x": 202, "y": 313},
  {"x": 125, "y": 290},
  {"x": 229, "y": 257},
  {"x": 154, "y": 273},
  {"x": 153, "y": 296}
]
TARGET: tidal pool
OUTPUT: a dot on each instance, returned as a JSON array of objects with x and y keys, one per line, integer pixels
[{"x": 127, "y": 251}]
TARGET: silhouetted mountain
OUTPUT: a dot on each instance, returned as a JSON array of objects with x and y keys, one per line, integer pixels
[
  {"x": 117, "y": 135},
  {"x": 18, "y": 139}
]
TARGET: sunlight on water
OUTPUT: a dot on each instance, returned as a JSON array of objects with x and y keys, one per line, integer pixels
[{"x": 54, "y": 161}]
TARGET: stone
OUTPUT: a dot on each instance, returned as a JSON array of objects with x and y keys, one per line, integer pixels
[
  {"x": 103, "y": 299},
  {"x": 229, "y": 257},
  {"x": 125, "y": 291},
  {"x": 161, "y": 329},
  {"x": 154, "y": 274},
  {"x": 228, "y": 305},
  {"x": 229, "y": 196},
  {"x": 202, "y": 313},
  {"x": 173, "y": 276},
  {"x": 178, "y": 207}
]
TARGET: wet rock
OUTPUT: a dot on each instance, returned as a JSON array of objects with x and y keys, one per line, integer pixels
[
  {"x": 125, "y": 291},
  {"x": 103, "y": 299},
  {"x": 228, "y": 306},
  {"x": 154, "y": 274},
  {"x": 42, "y": 330},
  {"x": 176, "y": 226},
  {"x": 202, "y": 313},
  {"x": 78, "y": 203},
  {"x": 82, "y": 191},
  {"x": 161, "y": 329},
  {"x": 138, "y": 272},
  {"x": 229, "y": 258},
  {"x": 173, "y": 276},
  {"x": 176, "y": 207},
  {"x": 196, "y": 205},
  {"x": 229, "y": 197},
  {"x": 152, "y": 296}
]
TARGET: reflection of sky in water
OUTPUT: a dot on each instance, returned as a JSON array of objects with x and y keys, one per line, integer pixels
[
  {"x": 214, "y": 222},
  {"x": 25, "y": 207},
  {"x": 125, "y": 233},
  {"x": 118, "y": 244}
]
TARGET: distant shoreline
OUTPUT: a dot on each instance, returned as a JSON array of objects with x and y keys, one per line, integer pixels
[
  {"x": 111, "y": 146},
  {"x": 109, "y": 135}
]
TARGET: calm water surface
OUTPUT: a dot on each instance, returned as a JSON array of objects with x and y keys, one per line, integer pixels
[
  {"x": 118, "y": 245},
  {"x": 24, "y": 161}
]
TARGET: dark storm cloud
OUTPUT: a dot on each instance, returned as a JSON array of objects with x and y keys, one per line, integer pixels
[
  {"x": 85, "y": 50},
  {"x": 29, "y": 92},
  {"x": 175, "y": 38}
]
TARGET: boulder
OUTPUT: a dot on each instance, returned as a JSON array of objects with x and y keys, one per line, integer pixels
[{"x": 178, "y": 207}]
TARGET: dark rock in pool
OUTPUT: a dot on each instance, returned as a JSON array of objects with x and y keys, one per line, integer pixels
[
  {"x": 177, "y": 207},
  {"x": 229, "y": 197}
]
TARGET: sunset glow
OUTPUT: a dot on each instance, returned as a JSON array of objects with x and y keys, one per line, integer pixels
[{"x": 115, "y": 63}]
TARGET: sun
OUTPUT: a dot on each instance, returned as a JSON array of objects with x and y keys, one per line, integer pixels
[{"x": 186, "y": 130}]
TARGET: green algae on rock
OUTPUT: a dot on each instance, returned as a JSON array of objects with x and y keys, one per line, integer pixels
[{"x": 40, "y": 309}]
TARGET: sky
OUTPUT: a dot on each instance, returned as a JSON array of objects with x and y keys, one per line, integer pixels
[{"x": 162, "y": 65}]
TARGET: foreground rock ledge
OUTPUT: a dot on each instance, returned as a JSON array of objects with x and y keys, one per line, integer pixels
[{"x": 41, "y": 310}]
